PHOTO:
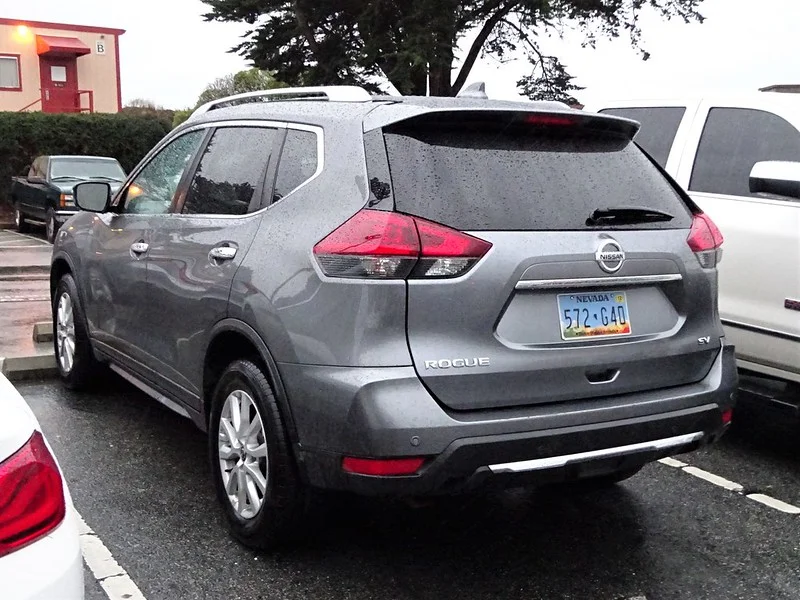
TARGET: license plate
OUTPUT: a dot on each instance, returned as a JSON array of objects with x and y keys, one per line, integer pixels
[{"x": 593, "y": 314}]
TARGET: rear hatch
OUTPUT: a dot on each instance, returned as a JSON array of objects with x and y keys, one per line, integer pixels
[{"x": 589, "y": 288}]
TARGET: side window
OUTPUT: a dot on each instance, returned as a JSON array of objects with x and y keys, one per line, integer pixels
[
  {"x": 37, "y": 168},
  {"x": 659, "y": 126},
  {"x": 298, "y": 162},
  {"x": 231, "y": 171},
  {"x": 733, "y": 140},
  {"x": 152, "y": 191}
]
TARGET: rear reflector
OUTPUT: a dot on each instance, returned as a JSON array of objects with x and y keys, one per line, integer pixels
[
  {"x": 381, "y": 467},
  {"x": 31, "y": 496},
  {"x": 389, "y": 245},
  {"x": 705, "y": 240},
  {"x": 727, "y": 416}
]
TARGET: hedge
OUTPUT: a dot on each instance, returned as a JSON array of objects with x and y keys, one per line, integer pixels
[{"x": 24, "y": 136}]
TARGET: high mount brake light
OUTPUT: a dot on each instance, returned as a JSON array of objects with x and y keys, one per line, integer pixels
[{"x": 388, "y": 245}]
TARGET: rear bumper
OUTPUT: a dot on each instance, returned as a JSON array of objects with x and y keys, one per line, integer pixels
[{"x": 388, "y": 413}]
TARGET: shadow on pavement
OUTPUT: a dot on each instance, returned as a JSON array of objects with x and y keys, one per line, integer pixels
[{"x": 148, "y": 495}]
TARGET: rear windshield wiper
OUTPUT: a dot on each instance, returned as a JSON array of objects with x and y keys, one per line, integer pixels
[
  {"x": 626, "y": 215},
  {"x": 63, "y": 177}
]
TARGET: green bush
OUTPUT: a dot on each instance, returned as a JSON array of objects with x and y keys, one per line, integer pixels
[{"x": 24, "y": 136}]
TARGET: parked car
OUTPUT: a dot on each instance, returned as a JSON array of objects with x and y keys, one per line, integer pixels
[
  {"x": 45, "y": 194},
  {"x": 739, "y": 158},
  {"x": 40, "y": 556},
  {"x": 402, "y": 296}
]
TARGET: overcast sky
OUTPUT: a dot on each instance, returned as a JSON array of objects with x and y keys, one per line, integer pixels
[{"x": 169, "y": 53}]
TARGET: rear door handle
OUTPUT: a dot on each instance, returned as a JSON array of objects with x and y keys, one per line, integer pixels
[
  {"x": 222, "y": 253},
  {"x": 138, "y": 248}
]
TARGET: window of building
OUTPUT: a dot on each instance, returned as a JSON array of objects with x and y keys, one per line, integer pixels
[{"x": 10, "y": 78}]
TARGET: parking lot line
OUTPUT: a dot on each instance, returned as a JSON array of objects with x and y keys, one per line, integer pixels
[
  {"x": 727, "y": 484},
  {"x": 114, "y": 580}
]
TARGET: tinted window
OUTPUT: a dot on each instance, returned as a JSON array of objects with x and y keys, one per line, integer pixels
[
  {"x": 733, "y": 140},
  {"x": 659, "y": 126},
  {"x": 298, "y": 162},
  {"x": 507, "y": 179},
  {"x": 82, "y": 168},
  {"x": 155, "y": 185},
  {"x": 231, "y": 171}
]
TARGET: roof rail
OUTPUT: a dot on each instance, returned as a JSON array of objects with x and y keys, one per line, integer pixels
[{"x": 330, "y": 93}]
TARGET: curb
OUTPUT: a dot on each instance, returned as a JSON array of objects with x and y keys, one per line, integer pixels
[
  {"x": 15, "y": 271},
  {"x": 19, "y": 368},
  {"x": 43, "y": 332}
]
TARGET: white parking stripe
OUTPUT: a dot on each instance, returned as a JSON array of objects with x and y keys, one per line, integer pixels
[
  {"x": 715, "y": 479},
  {"x": 731, "y": 486},
  {"x": 776, "y": 504},
  {"x": 112, "y": 577},
  {"x": 671, "y": 462}
]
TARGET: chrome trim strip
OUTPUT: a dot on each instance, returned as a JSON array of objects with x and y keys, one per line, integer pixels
[
  {"x": 588, "y": 282},
  {"x": 553, "y": 462},
  {"x": 763, "y": 330},
  {"x": 173, "y": 406}
]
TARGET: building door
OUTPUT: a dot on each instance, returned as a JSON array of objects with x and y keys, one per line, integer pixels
[{"x": 59, "y": 84}]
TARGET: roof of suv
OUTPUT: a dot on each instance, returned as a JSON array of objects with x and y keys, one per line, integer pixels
[{"x": 318, "y": 112}]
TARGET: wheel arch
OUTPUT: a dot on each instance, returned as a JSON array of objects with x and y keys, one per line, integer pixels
[
  {"x": 60, "y": 266},
  {"x": 235, "y": 339}
]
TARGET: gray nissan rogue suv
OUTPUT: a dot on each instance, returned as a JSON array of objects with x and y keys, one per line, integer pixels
[{"x": 400, "y": 296}]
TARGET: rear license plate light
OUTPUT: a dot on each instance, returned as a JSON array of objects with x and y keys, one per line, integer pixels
[{"x": 593, "y": 314}]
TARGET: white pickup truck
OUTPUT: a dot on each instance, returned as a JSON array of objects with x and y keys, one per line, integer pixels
[{"x": 739, "y": 159}]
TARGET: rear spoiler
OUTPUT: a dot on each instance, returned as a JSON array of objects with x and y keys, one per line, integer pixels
[{"x": 419, "y": 116}]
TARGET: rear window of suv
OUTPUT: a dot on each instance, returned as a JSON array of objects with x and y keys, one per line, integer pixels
[{"x": 504, "y": 177}]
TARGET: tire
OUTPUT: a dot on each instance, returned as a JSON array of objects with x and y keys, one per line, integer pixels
[
  {"x": 51, "y": 225},
  {"x": 77, "y": 368},
  {"x": 19, "y": 220},
  {"x": 283, "y": 499}
]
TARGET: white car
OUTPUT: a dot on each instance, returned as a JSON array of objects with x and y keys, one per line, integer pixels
[
  {"x": 40, "y": 555},
  {"x": 739, "y": 159}
]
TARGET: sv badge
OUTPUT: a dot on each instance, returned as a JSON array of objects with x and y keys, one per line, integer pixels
[{"x": 704, "y": 340}]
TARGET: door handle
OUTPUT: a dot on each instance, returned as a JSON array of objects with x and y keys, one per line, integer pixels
[
  {"x": 139, "y": 248},
  {"x": 222, "y": 253}
]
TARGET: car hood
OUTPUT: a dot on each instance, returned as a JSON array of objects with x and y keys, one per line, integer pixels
[{"x": 17, "y": 422}]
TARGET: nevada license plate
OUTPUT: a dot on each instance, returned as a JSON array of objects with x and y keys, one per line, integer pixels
[{"x": 594, "y": 314}]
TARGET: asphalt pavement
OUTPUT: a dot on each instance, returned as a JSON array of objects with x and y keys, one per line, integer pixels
[{"x": 139, "y": 476}]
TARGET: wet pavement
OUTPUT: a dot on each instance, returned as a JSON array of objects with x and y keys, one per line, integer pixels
[
  {"x": 140, "y": 478},
  {"x": 24, "y": 294}
]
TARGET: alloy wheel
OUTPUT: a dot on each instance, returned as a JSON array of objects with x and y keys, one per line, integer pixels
[
  {"x": 65, "y": 332},
  {"x": 243, "y": 458}
]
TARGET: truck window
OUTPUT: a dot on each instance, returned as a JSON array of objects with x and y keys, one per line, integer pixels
[
  {"x": 659, "y": 126},
  {"x": 733, "y": 140}
]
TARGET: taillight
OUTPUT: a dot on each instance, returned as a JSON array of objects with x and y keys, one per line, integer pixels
[
  {"x": 384, "y": 467},
  {"x": 388, "y": 245},
  {"x": 31, "y": 495},
  {"x": 705, "y": 241}
]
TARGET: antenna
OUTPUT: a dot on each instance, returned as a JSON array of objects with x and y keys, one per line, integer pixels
[{"x": 474, "y": 90}]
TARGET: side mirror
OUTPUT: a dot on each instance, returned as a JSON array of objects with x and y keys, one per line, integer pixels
[
  {"x": 92, "y": 196},
  {"x": 781, "y": 178}
]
